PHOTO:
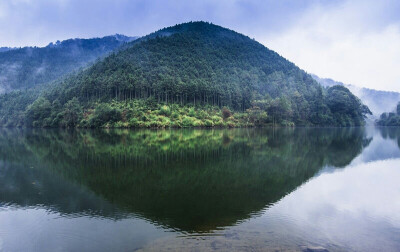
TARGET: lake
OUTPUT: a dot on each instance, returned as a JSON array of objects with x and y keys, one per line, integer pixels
[{"x": 299, "y": 189}]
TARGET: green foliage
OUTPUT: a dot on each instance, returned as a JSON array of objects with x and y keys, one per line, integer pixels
[
  {"x": 257, "y": 116},
  {"x": 188, "y": 121},
  {"x": 165, "y": 110},
  {"x": 38, "y": 113},
  {"x": 390, "y": 119},
  {"x": 72, "y": 113},
  {"x": 13, "y": 106},
  {"x": 346, "y": 108},
  {"x": 198, "y": 64},
  {"x": 184, "y": 79},
  {"x": 134, "y": 114},
  {"x": 103, "y": 114},
  {"x": 192, "y": 112}
]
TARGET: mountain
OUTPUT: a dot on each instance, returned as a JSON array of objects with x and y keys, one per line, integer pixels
[
  {"x": 29, "y": 66},
  {"x": 378, "y": 101},
  {"x": 183, "y": 76},
  {"x": 391, "y": 118},
  {"x": 5, "y": 49}
]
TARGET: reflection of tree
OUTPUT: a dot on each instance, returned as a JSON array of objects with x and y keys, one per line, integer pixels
[
  {"x": 391, "y": 133},
  {"x": 29, "y": 186},
  {"x": 191, "y": 180}
]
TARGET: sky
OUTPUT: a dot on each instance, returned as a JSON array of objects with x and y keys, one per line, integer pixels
[{"x": 352, "y": 41}]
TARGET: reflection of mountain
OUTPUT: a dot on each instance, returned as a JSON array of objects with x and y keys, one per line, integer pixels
[
  {"x": 29, "y": 186},
  {"x": 190, "y": 180},
  {"x": 382, "y": 147},
  {"x": 391, "y": 133}
]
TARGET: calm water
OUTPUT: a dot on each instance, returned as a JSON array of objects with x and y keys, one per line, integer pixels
[{"x": 200, "y": 190}]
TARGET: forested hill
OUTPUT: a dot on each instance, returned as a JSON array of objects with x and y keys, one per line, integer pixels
[
  {"x": 26, "y": 67},
  {"x": 181, "y": 76},
  {"x": 378, "y": 101},
  {"x": 196, "y": 63},
  {"x": 5, "y": 49},
  {"x": 390, "y": 118}
]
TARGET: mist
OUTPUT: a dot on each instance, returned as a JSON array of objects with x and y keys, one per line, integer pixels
[
  {"x": 377, "y": 101},
  {"x": 28, "y": 67}
]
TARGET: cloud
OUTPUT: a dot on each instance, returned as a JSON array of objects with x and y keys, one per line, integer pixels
[
  {"x": 355, "y": 42},
  {"x": 28, "y": 22},
  {"x": 345, "y": 210}
]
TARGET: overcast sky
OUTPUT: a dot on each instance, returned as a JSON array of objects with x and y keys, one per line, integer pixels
[{"x": 355, "y": 42}]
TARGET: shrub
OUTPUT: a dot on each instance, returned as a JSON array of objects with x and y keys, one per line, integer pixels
[
  {"x": 226, "y": 113},
  {"x": 72, "y": 113},
  {"x": 217, "y": 121},
  {"x": 198, "y": 123},
  {"x": 164, "y": 122},
  {"x": 202, "y": 114},
  {"x": 175, "y": 115},
  {"x": 188, "y": 121},
  {"x": 37, "y": 112},
  {"x": 192, "y": 112},
  {"x": 165, "y": 110},
  {"x": 134, "y": 122},
  {"x": 208, "y": 123},
  {"x": 103, "y": 114}
]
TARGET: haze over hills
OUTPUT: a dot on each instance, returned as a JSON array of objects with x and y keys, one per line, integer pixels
[
  {"x": 378, "y": 101},
  {"x": 22, "y": 68},
  {"x": 5, "y": 49},
  {"x": 182, "y": 76}
]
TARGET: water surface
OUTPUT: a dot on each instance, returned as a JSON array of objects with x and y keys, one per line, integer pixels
[{"x": 200, "y": 190}]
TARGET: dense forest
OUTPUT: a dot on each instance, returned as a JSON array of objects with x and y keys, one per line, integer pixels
[
  {"x": 390, "y": 119},
  {"x": 29, "y": 66},
  {"x": 5, "y": 49},
  {"x": 192, "y": 74}
]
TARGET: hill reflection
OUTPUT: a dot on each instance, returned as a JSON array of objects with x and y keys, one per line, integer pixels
[{"x": 188, "y": 180}]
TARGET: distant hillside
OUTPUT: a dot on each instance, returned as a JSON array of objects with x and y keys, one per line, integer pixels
[
  {"x": 5, "y": 49},
  {"x": 378, "y": 101},
  {"x": 391, "y": 118},
  {"x": 181, "y": 76},
  {"x": 26, "y": 67}
]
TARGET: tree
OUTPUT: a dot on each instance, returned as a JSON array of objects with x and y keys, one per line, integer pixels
[
  {"x": 72, "y": 113},
  {"x": 398, "y": 109},
  {"x": 347, "y": 109},
  {"x": 226, "y": 113},
  {"x": 194, "y": 66},
  {"x": 257, "y": 116},
  {"x": 105, "y": 114},
  {"x": 38, "y": 112}
]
